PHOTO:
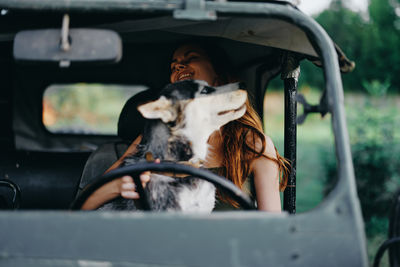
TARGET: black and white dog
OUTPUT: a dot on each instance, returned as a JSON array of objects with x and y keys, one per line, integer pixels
[{"x": 180, "y": 123}]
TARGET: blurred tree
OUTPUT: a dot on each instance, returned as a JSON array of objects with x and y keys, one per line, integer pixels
[
  {"x": 372, "y": 41},
  {"x": 375, "y": 147},
  {"x": 382, "y": 44}
]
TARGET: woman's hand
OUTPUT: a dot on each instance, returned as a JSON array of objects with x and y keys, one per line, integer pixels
[
  {"x": 123, "y": 186},
  {"x": 128, "y": 187}
]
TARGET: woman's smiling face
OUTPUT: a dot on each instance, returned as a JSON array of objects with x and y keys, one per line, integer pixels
[{"x": 191, "y": 62}]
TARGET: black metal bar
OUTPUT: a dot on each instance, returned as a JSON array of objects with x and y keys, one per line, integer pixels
[
  {"x": 387, "y": 244},
  {"x": 290, "y": 77},
  {"x": 394, "y": 230},
  {"x": 289, "y": 195},
  {"x": 16, "y": 199}
]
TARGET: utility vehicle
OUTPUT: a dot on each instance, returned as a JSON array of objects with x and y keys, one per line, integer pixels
[{"x": 49, "y": 45}]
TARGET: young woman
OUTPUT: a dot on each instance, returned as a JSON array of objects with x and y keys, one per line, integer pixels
[{"x": 239, "y": 150}]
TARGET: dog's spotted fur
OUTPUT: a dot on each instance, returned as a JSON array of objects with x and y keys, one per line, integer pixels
[{"x": 182, "y": 120}]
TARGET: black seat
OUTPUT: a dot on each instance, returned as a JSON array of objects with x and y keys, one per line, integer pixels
[{"x": 130, "y": 126}]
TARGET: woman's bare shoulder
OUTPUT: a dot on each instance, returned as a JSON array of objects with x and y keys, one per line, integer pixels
[
  {"x": 256, "y": 141},
  {"x": 269, "y": 146}
]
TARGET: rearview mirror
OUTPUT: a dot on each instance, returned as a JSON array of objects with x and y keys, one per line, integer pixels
[{"x": 86, "y": 46}]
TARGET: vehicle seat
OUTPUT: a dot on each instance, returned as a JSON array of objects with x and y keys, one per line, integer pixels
[{"x": 130, "y": 126}]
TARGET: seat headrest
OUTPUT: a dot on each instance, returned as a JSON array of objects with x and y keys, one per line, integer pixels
[{"x": 131, "y": 122}]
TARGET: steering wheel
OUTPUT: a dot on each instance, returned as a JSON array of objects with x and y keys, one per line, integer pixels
[{"x": 135, "y": 170}]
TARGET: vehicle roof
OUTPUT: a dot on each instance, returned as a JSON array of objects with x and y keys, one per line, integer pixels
[{"x": 137, "y": 27}]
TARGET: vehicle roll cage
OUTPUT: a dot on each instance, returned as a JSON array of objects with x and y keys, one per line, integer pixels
[{"x": 340, "y": 211}]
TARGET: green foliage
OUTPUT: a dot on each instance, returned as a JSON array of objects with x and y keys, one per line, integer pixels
[
  {"x": 376, "y": 226},
  {"x": 371, "y": 40},
  {"x": 376, "y": 88},
  {"x": 375, "y": 144}
]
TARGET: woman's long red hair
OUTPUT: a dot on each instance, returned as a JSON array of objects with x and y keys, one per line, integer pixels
[{"x": 241, "y": 141}]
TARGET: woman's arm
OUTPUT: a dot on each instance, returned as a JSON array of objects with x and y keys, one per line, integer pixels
[
  {"x": 122, "y": 186},
  {"x": 131, "y": 149},
  {"x": 266, "y": 179}
]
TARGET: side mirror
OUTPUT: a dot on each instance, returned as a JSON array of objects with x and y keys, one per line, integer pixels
[{"x": 85, "y": 46}]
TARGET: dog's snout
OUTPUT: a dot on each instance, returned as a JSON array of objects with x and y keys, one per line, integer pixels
[{"x": 241, "y": 94}]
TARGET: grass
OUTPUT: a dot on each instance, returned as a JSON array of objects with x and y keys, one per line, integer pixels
[{"x": 314, "y": 147}]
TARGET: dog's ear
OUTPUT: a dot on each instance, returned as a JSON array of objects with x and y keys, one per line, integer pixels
[{"x": 161, "y": 108}]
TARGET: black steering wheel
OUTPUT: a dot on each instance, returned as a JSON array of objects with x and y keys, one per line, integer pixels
[{"x": 135, "y": 170}]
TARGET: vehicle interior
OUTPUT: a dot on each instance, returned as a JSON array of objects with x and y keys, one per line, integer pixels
[
  {"x": 34, "y": 157},
  {"x": 34, "y": 150},
  {"x": 41, "y": 168}
]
